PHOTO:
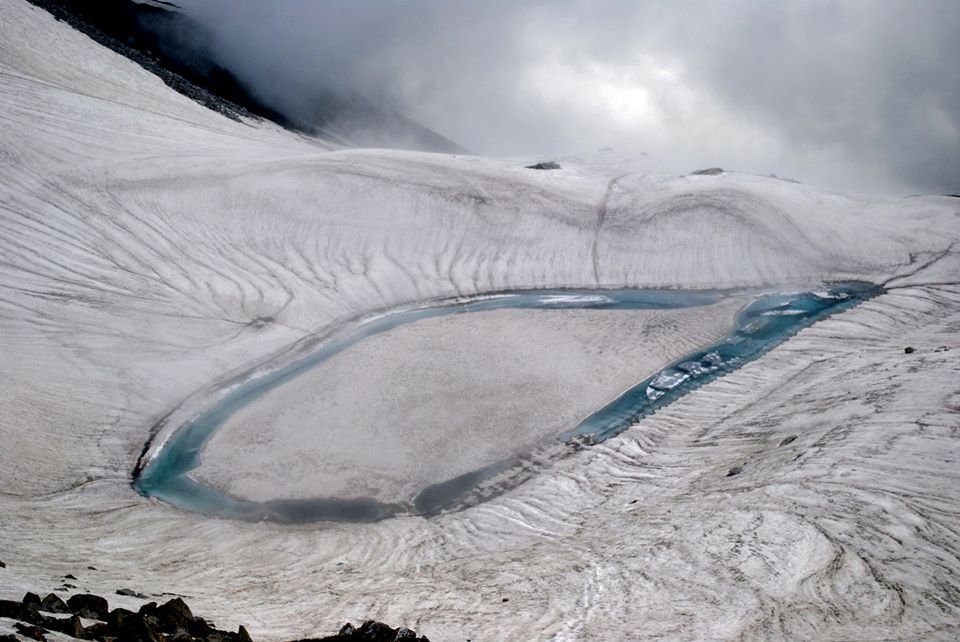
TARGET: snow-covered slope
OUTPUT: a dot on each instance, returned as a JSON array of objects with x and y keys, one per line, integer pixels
[{"x": 150, "y": 248}]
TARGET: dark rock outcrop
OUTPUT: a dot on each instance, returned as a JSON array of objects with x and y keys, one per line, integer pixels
[
  {"x": 89, "y": 606},
  {"x": 371, "y": 631},
  {"x": 119, "y": 25},
  {"x": 545, "y": 165},
  {"x": 169, "y": 622},
  {"x": 710, "y": 171}
]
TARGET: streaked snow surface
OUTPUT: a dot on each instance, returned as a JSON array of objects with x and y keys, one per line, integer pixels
[{"x": 151, "y": 250}]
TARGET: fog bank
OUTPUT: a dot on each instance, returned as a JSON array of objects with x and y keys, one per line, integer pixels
[{"x": 854, "y": 95}]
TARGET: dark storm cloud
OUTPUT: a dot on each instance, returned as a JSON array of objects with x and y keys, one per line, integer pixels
[{"x": 855, "y": 93}]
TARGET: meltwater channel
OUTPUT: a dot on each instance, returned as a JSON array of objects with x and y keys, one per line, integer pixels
[{"x": 767, "y": 321}]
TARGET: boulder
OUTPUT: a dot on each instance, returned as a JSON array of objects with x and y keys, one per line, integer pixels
[
  {"x": 175, "y": 615},
  {"x": 123, "y": 624},
  {"x": 545, "y": 165},
  {"x": 710, "y": 171},
  {"x": 131, "y": 593},
  {"x": 242, "y": 635},
  {"x": 201, "y": 628},
  {"x": 74, "y": 628},
  {"x": 31, "y": 599},
  {"x": 53, "y": 604},
  {"x": 20, "y": 611},
  {"x": 71, "y": 626},
  {"x": 89, "y": 606},
  {"x": 10, "y": 609},
  {"x": 31, "y": 631},
  {"x": 116, "y": 617},
  {"x": 376, "y": 632},
  {"x": 140, "y": 629}
]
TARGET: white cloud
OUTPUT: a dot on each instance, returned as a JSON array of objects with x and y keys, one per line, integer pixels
[{"x": 845, "y": 94}]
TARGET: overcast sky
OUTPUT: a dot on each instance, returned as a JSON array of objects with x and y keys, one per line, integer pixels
[{"x": 852, "y": 94}]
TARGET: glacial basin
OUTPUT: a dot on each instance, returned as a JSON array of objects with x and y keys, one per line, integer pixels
[{"x": 174, "y": 473}]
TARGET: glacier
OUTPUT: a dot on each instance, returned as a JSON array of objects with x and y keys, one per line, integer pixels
[{"x": 152, "y": 251}]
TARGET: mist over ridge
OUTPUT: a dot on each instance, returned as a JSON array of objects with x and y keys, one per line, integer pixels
[{"x": 847, "y": 95}]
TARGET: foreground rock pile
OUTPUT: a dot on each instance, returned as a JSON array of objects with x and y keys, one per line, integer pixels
[{"x": 88, "y": 617}]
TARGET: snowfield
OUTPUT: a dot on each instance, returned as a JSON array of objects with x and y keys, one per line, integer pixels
[{"x": 151, "y": 249}]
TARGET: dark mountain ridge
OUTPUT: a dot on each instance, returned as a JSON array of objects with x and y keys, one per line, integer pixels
[{"x": 164, "y": 40}]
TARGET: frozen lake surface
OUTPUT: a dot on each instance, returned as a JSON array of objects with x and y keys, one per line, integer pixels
[{"x": 765, "y": 322}]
